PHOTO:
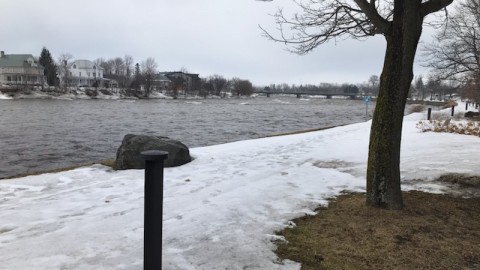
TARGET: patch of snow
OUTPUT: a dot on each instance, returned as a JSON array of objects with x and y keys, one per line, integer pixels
[
  {"x": 159, "y": 95},
  {"x": 4, "y": 97},
  {"x": 194, "y": 102}
]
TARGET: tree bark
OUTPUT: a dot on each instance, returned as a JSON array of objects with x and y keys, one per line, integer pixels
[{"x": 383, "y": 172}]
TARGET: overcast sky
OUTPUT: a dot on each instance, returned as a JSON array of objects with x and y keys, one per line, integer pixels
[{"x": 205, "y": 36}]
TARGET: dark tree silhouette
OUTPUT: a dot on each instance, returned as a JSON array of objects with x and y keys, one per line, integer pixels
[{"x": 47, "y": 62}]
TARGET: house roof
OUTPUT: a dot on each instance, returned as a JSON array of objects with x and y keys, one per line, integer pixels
[
  {"x": 84, "y": 64},
  {"x": 178, "y": 73},
  {"x": 161, "y": 77},
  {"x": 18, "y": 60}
]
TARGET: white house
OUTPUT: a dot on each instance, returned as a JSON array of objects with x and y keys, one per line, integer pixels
[
  {"x": 20, "y": 69},
  {"x": 82, "y": 73}
]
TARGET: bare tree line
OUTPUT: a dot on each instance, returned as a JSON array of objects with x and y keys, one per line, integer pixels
[{"x": 454, "y": 55}]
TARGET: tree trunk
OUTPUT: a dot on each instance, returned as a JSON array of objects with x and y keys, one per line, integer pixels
[{"x": 383, "y": 172}]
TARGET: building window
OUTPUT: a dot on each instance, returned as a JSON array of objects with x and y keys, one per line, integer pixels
[
  {"x": 94, "y": 74},
  {"x": 74, "y": 66},
  {"x": 80, "y": 74},
  {"x": 9, "y": 79},
  {"x": 70, "y": 74}
]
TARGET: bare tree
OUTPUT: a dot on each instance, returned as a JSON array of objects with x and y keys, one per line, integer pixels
[
  {"x": 99, "y": 61},
  {"x": 400, "y": 22},
  {"x": 184, "y": 69},
  {"x": 420, "y": 86},
  {"x": 470, "y": 90},
  {"x": 118, "y": 66},
  {"x": 245, "y": 88},
  {"x": 218, "y": 82},
  {"x": 206, "y": 88},
  {"x": 149, "y": 70},
  {"x": 455, "y": 52},
  {"x": 63, "y": 61},
  {"x": 107, "y": 65},
  {"x": 177, "y": 85},
  {"x": 128, "y": 62},
  {"x": 241, "y": 87}
]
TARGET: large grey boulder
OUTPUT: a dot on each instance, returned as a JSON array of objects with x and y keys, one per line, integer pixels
[{"x": 128, "y": 154}]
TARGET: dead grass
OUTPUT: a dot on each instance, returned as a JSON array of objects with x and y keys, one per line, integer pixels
[
  {"x": 416, "y": 108},
  {"x": 431, "y": 232},
  {"x": 450, "y": 103},
  {"x": 442, "y": 115},
  {"x": 447, "y": 126}
]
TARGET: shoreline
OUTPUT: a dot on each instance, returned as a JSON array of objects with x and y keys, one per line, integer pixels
[
  {"x": 81, "y": 93},
  {"x": 110, "y": 162}
]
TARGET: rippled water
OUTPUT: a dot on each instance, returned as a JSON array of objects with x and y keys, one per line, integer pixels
[{"x": 37, "y": 135}]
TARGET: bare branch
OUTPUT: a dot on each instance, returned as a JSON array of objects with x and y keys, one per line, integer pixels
[
  {"x": 432, "y": 6},
  {"x": 371, "y": 12},
  {"x": 455, "y": 54},
  {"x": 324, "y": 20}
]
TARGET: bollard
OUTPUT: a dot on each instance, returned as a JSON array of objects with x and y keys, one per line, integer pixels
[
  {"x": 453, "y": 110},
  {"x": 429, "y": 113},
  {"x": 153, "y": 213},
  {"x": 466, "y": 105}
]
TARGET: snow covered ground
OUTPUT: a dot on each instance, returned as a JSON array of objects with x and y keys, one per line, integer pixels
[{"x": 221, "y": 210}]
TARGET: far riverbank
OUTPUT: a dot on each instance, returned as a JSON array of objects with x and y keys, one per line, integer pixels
[{"x": 75, "y": 93}]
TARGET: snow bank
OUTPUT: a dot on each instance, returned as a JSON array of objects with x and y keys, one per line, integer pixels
[{"x": 2, "y": 96}]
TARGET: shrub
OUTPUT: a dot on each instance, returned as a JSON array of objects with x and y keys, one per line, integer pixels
[
  {"x": 449, "y": 126},
  {"x": 417, "y": 108},
  {"x": 450, "y": 103}
]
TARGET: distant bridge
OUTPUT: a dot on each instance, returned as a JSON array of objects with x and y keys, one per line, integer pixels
[{"x": 300, "y": 94}]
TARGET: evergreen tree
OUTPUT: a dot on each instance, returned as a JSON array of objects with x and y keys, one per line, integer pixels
[{"x": 50, "y": 69}]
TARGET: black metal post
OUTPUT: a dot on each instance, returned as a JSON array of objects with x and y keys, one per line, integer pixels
[
  {"x": 153, "y": 215},
  {"x": 429, "y": 113},
  {"x": 453, "y": 110},
  {"x": 466, "y": 105}
]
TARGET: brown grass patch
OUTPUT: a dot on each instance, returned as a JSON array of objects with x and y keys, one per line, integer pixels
[
  {"x": 416, "y": 108},
  {"x": 450, "y": 103},
  {"x": 431, "y": 232}
]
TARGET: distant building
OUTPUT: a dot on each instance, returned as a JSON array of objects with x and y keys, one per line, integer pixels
[
  {"x": 20, "y": 69},
  {"x": 183, "y": 82},
  {"x": 161, "y": 82},
  {"x": 84, "y": 73}
]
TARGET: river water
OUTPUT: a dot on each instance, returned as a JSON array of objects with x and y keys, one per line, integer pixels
[{"x": 38, "y": 135}]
